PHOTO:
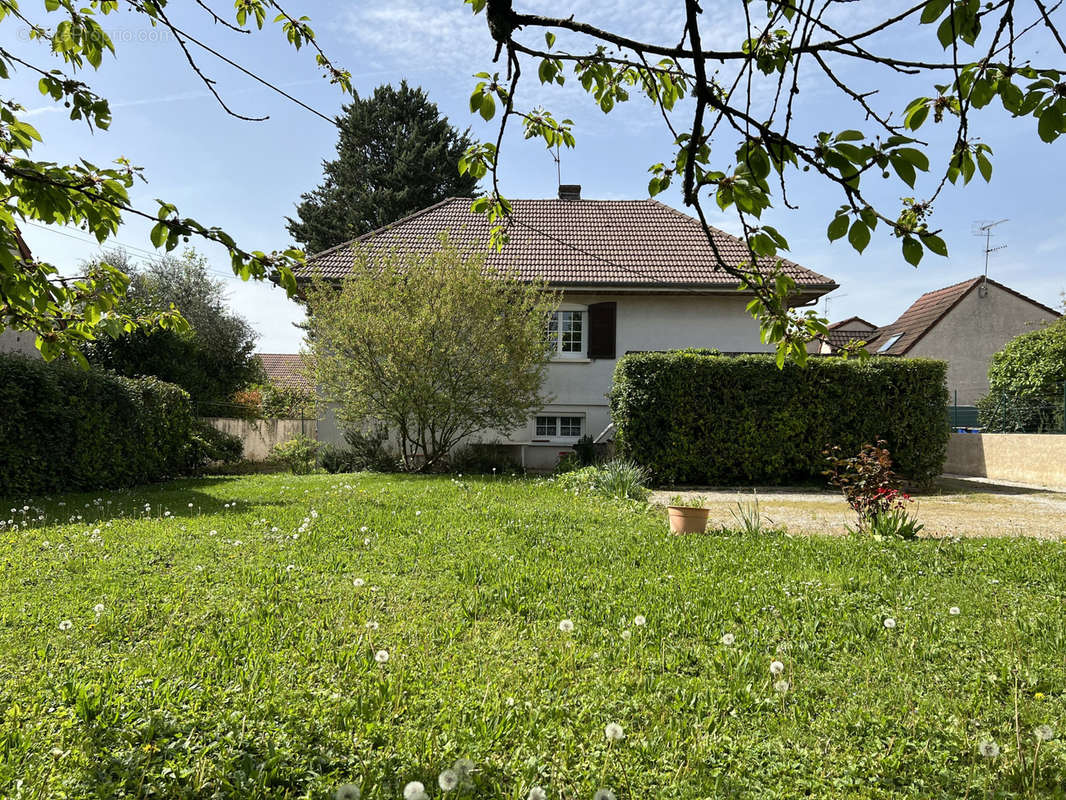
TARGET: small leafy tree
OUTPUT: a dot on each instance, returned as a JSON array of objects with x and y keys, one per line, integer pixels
[
  {"x": 396, "y": 154},
  {"x": 1025, "y": 382},
  {"x": 434, "y": 346}
]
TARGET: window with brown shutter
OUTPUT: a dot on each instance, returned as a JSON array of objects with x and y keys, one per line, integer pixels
[{"x": 602, "y": 330}]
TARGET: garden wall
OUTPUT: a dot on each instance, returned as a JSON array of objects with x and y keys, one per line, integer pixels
[
  {"x": 1036, "y": 458},
  {"x": 692, "y": 418},
  {"x": 260, "y": 435}
]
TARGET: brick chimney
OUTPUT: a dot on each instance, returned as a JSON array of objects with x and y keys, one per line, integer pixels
[{"x": 569, "y": 191}]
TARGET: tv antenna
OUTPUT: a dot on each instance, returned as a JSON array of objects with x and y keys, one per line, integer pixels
[
  {"x": 985, "y": 230},
  {"x": 828, "y": 299}
]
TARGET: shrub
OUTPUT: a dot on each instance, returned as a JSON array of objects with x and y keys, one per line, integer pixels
[
  {"x": 484, "y": 459},
  {"x": 873, "y": 490},
  {"x": 209, "y": 445},
  {"x": 369, "y": 450},
  {"x": 707, "y": 419},
  {"x": 65, "y": 428},
  {"x": 620, "y": 479},
  {"x": 297, "y": 454}
]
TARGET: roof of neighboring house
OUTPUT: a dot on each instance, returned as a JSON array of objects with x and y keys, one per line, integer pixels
[
  {"x": 285, "y": 369},
  {"x": 926, "y": 312},
  {"x": 853, "y": 322},
  {"x": 839, "y": 337},
  {"x": 617, "y": 243}
]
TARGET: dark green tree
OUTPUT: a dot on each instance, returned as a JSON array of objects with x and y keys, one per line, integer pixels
[
  {"x": 396, "y": 154},
  {"x": 211, "y": 360}
]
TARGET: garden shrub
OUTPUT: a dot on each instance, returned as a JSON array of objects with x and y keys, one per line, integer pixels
[
  {"x": 66, "y": 428},
  {"x": 297, "y": 454},
  {"x": 369, "y": 450},
  {"x": 484, "y": 458},
  {"x": 209, "y": 445},
  {"x": 618, "y": 478},
  {"x": 705, "y": 419}
]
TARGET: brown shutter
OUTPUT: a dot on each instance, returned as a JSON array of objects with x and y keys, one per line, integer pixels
[{"x": 602, "y": 330}]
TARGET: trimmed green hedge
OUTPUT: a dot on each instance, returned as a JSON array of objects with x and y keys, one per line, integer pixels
[
  {"x": 705, "y": 419},
  {"x": 67, "y": 428}
]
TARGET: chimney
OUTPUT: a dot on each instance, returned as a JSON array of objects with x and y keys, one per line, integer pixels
[{"x": 569, "y": 191}]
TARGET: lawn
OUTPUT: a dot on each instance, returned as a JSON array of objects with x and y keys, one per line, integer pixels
[{"x": 221, "y": 638}]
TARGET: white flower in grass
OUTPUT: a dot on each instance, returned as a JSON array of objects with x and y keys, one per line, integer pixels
[
  {"x": 464, "y": 766},
  {"x": 889, "y": 623},
  {"x": 347, "y": 791},
  {"x": 728, "y": 639},
  {"x": 372, "y": 625},
  {"x": 290, "y": 567},
  {"x": 414, "y": 791},
  {"x": 358, "y": 582},
  {"x": 603, "y": 794},
  {"x": 1044, "y": 733},
  {"x": 213, "y": 533},
  {"x": 776, "y": 668},
  {"x": 66, "y": 625},
  {"x": 639, "y": 621},
  {"x": 954, "y": 611},
  {"x": 626, "y": 634},
  {"x": 613, "y": 732},
  {"x": 781, "y": 687},
  {"x": 366, "y": 542},
  {"x": 190, "y": 505},
  {"x": 381, "y": 656},
  {"x": 988, "y": 749},
  {"x": 99, "y": 609},
  {"x": 566, "y": 626},
  {"x": 364, "y": 529},
  {"x": 536, "y": 793},
  {"x": 448, "y": 780}
]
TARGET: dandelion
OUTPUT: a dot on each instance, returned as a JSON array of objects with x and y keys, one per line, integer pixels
[
  {"x": 418, "y": 513},
  {"x": 366, "y": 542},
  {"x": 414, "y": 791},
  {"x": 190, "y": 505},
  {"x": 448, "y": 780},
  {"x": 381, "y": 656},
  {"x": 728, "y": 639},
  {"x": 889, "y": 623},
  {"x": 776, "y": 668},
  {"x": 566, "y": 626},
  {"x": 639, "y": 620},
  {"x": 626, "y": 634},
  {"x": 213, "y": 533},
  {"x": 781, "y": 687},
  {"x": 1044, "y": 733},
  {"x": 536, "y": 793},
  {"x": 364, "y": 529},
  {"x": 99, "y": 609},
  {"x": 988, "y": 749},
  {"x": 464, "y": 766},
  {"x": 372, "y": 625},
  {"x": 290, "y": 567},
  {"x": 613, "y": 732},
  {"x": 358, "y": 582},
  {"x": 66, "y": 625},
  {"x": 347, "y": 791},
  {"x": 603, "y": 794},
  {"x": 954, "y": 611}
]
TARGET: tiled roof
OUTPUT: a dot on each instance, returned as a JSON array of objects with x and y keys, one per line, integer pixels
[
  {"x": 622, "y": 243},
  {"x": 853, "y": 322},
  {"x": 926, "y": 312},
  {"x": 285, "y": 369},
  {"x": 839, "y": 337}
]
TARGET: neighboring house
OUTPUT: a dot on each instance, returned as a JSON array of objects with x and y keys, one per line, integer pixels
[
  {"x": 11, "y": 340},
  {"x": 852, "y": 329},
  {"x": 285, "y": 369},
  {"x": 965, "y": 325},
  {"x": 635, "y": 275}
]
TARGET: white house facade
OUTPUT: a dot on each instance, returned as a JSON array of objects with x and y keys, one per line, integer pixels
[{"x": 632, "y": 275}]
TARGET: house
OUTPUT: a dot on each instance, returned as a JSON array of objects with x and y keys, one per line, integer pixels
[
  {"x": 634, "y": 275},
  {"x": 965, "y": 325},
  {"x": 15, "y": 341},
  {"x": 852, "y": 329},
  {"x": 285, "y": 369}
]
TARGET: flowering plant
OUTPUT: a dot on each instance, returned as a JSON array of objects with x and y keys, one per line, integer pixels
[{"x": 873, "y": 489}]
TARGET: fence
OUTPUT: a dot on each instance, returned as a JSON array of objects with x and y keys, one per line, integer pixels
[
  {"x": 260, "y": 435},
  {"x": 1010, "y": 414},
  {"x": 1015, "y": 457}
]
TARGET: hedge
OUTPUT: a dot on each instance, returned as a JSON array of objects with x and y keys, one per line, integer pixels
[
  {"x": 63, "y": 428},
  {"x": 704, "y": 419}
]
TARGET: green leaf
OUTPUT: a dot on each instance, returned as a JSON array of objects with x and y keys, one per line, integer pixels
[
  {"x": 932, "y": 11},
  {"x": 838, "y": 227},
  {"x": 935, "y": 244},
  {"x": 850, "y": 136},
  {"x": 1050, "y": 125},
  {"x": 549, "y": 39},
  {"x": 985, "y": 166},
  {"x": 912, "y": 250},
  {"x": 488, "y": 107},
  {"x": 859, "y": 235}
]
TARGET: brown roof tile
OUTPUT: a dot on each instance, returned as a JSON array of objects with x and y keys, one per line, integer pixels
[
  {"x": 618, "y": 243},
  {"x": 285, "y": 369}
]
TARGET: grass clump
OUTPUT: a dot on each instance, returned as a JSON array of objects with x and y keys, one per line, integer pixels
[{"x": 620, "y": 479}]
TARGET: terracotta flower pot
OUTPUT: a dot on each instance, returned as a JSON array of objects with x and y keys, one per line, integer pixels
[{"x": 687, "y": 519}]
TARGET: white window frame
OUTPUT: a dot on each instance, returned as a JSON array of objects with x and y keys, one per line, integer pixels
[
  {"x": 558, "y": 354},
  {"x": 556, "y": 417}
]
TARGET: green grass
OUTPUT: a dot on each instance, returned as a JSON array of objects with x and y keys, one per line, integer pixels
[{"x": 222, "y": 669}]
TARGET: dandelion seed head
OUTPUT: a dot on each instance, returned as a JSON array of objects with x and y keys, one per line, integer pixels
[
  {"x": 776, "y": 668},
  {"x": 464, "y": 766},
  {"x": 99, "y": 608},
  {"x": 347, "y": 791},
  {"x": 448, "y": 780},
  {"x": 889, "y": 623},
  {"x": 728, "y": 639},
  {"x": 988, "y": 749},
  {"x": 781, "y": 686},
  {"x": 613, "y": 732},
  {"x": 1044, "y": 733},
  {"x": 954, "y": 611},
  {"x": 381, "y": 656},
  {"x": 603, "y": 794},
  {"x": 415, "y": 790},
  {"x": 536, "y": 793},
  {"x": 626, "y": 634},
  {"x": 566, "y": 626},
  {"x": 639, "y": 620},
  {"x": 358, "y": 582},
  {"x": 372, "y": 625},
  {"x": 66, "y": 625}
]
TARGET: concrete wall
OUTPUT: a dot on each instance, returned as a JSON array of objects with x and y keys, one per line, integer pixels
[
  {"x": 12, "y": 341},
  {"x": 972, "y": 332},
  {"x": 1034, "y": 458},
  {"x": 260, "y": 435}
]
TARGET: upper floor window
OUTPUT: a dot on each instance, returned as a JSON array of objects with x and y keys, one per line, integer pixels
[{"x": 568, "y": 333}]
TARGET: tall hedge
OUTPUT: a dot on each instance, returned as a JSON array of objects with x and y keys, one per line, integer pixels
[
  {"x": 62, "y": 428},
  {"x": 707, "y": 419}
]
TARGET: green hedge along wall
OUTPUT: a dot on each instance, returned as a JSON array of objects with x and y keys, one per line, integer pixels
[
  {"x": 706, "y": 419},
  {"x": 67, "y": 428}
]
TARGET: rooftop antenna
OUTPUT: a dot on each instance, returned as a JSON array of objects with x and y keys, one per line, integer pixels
[
  {"x": 986, "y": 231},
  {"x": 827, "y": 299}
]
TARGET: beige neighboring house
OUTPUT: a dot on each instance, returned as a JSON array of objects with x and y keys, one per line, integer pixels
[
  {"x": 635, "y": 275},
  {"x": 965, "y": 325},
  {"x": 11, "y": 340},
  {"x": 841, "y": 334}
]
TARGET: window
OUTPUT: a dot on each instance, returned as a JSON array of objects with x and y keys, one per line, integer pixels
[
  {"x": 568, "y": 333},
  {"x": 887, "y": 345},
  {"x": 558, "y": 427}
]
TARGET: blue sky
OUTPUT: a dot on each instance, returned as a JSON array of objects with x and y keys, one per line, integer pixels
[{"x": 246, "y": 177}]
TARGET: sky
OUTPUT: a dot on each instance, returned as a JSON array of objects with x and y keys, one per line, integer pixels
[{"x": 246, "y": 177}]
